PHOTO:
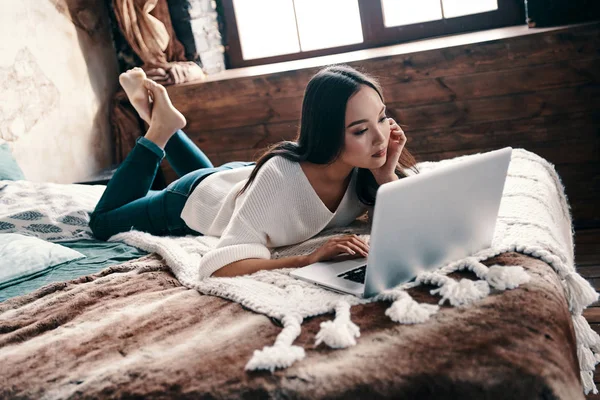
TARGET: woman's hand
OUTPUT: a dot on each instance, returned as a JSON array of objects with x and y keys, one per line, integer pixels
[
  {"x": 386, "y": 173},
  {"x": 350, "y": 244}
]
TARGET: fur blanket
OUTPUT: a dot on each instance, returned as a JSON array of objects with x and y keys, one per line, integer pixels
[
  {"x": 534, "y": 219},
  {"x": 134, "y": 330},
  {"x": 138, "y": 330}
]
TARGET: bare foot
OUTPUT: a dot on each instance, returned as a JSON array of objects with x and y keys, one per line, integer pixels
[
  {"x": 165, "y": 119},
  {"x": 132, "y": 82}
]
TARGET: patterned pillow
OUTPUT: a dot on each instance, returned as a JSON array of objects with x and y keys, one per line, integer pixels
[{"x": 49, "y": 211}]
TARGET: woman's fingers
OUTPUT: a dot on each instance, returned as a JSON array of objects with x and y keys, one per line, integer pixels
[
  {"x": 354, "y": 242},
  {"x": 348, "y": 237},
  {"x": 362, "y": 245},
  {"x": 398, "y": 135},
  {"x": 344, "y": 248},
  {"x": 358, "y": 249},
  {"x": 394, "y": 124}
]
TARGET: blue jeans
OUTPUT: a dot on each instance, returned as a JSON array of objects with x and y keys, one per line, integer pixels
[{"x": 128, "y": 203}]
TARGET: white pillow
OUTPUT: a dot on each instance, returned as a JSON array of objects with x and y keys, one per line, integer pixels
[
  {"x": 25, "y": 255},
  {"x": 49, "y": 211}
]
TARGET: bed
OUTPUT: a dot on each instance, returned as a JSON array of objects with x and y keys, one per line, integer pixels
[{"x": 504, "y": 323}]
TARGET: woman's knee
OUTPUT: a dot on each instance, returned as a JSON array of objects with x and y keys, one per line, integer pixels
[{"x": 98, "y": 227}]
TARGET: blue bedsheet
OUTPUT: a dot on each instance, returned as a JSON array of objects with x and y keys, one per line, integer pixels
[{"x": 99, "y": 255}]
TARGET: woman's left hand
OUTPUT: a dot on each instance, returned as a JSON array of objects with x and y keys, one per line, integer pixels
[{"x": 386, "y": 173}]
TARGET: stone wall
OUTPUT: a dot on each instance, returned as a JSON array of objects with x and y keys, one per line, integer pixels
[{"x": 196, "y": 25}]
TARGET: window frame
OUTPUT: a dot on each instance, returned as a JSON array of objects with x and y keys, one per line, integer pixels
[{"x": 375, "y": 34}]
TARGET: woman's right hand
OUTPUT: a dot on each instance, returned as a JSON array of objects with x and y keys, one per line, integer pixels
[{"x": 350, "y": 244}]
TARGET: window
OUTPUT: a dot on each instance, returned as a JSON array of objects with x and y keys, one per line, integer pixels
[{"x": 266, "y": 31}]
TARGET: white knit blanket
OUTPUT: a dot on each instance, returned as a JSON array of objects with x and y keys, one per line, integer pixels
[{"x": 534, "y": 219}]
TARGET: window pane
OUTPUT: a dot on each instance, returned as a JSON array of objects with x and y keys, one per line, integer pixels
[
  {"x": 405, "y": 12},
  {"x": 266, "y": 27},
  {"x": 328, "y": 23},
  {"x": 456, "y": 8}
]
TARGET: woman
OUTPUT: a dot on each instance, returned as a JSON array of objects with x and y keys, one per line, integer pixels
[{"x": 328, "y": 177}]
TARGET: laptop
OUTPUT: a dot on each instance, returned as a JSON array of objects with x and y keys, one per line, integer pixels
[{"x": 421, "y": 223}]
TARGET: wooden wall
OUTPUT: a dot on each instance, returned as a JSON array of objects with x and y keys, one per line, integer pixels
[{"x": 540, "y": 92}]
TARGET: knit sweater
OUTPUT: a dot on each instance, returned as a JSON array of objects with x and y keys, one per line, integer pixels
[{"x": 279, "y": 208}]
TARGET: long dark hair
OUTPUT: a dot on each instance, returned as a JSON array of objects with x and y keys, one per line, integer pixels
[{"x": 321, "y": 136}]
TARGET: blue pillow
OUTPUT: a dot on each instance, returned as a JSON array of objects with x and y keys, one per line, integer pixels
[
  {"x": 9, "y": 169},
  {"x": 23, "y": 257}
]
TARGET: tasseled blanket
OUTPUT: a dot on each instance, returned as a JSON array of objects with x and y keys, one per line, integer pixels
[{"x": 534, "y": 219}]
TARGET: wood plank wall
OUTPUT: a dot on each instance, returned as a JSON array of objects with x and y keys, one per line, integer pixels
[{"x": 540, "y": 92}]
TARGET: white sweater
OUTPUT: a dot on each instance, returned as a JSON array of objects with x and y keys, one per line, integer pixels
[{"x": 279, "y": 208}]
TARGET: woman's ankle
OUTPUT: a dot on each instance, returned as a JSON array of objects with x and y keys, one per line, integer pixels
[
  {"x": 159, "y": 135},
  {"x": 150, "y": 145}
]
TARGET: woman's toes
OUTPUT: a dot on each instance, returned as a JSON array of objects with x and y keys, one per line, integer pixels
[
  {"x": 137, "y": 71},
  {"x": 163, "y": 111},
  {"x": 132, "y": 77},
  {"x": 123, "y": 78},
  {"x": 156, "y": 89},
  {"x": 133, "y": 84}
]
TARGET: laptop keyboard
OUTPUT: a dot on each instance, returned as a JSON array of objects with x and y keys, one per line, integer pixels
[{"x": 356, "y": 275}]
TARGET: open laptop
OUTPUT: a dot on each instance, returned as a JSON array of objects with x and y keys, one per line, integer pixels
[{"x": 421, "y": 223}]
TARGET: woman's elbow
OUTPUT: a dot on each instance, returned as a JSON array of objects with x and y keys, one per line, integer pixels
[
  {"x": 217, "y": 274},
  {"x": 235, "y": 268},
  {"x": 228, "y": 271}
]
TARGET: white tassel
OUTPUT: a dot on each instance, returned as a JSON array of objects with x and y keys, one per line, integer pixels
[
  {"x": 503, "y": 278},
  {"x": 341, "y": 332},
  {"x": 462, "y": 293},
  {"x": 580, "y": 293},
  {"x": 432, "y": 278},
  {"x": 406, "y": 310},
  {"x": 587, "y": 361},
  {"x": 271, "y": 357},
  {"x": 479, "y": 269},
  {"x": 282, "y": 354},
  {"x": 338, "y": 335},
  {"x": 587, "y": 377},
  {"x": 585, "y": 334}
]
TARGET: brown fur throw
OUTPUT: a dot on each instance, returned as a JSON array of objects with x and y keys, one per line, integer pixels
[{"x": 132, "y": 330}]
